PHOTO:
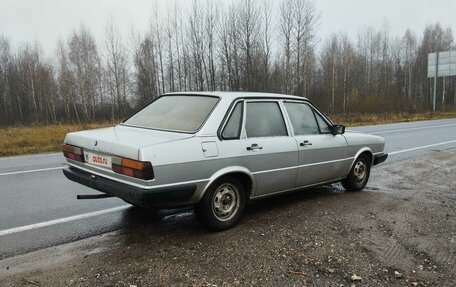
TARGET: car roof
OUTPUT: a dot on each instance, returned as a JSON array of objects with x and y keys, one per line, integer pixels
[{"x": 234, "y": 95}]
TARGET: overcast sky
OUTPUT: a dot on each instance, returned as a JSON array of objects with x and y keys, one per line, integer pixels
[{"x": 47, "y": 20}]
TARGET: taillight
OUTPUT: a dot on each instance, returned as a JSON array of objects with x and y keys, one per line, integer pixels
[
  {"x": 133, "y": 168},
  {"x": 73, "y": 152}
]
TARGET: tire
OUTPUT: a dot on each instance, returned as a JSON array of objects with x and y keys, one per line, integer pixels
[
  {"x": 223, "y": 204},
  {"x": 359, "y": 174}
]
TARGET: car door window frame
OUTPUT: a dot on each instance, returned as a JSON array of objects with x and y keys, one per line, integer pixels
[
  {"x": 227, "y": 117},
  {"x": 318, "y": 123},
  {"x": 282, "y": 112},
  {"x": 318, "y": 111}
]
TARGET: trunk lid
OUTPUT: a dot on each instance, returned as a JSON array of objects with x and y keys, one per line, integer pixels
[{"x": 121, "y": 140}]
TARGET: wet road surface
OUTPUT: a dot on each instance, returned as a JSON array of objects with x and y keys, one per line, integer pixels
[{"x": 39, "y": 207}]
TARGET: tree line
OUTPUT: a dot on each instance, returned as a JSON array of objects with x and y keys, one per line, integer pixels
[{"x": 246, "y": 45}]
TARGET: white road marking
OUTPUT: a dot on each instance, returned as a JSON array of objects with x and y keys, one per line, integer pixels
[
  {"x": 120, "y": 208},
  {"x": 31, "y": 155},
  {"x": 421, "y": 147},
  {"x": 32, "y": 170},
  {"x": 411, "y": 129},
  {"x": 61, "y": 220}
]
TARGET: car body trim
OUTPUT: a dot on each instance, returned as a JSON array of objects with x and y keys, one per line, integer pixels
[
  {"x": 226, "y": 171},
  {"x": 227, "y": 117},
  {"x": 135, "y": 184},
  {"x": 379, "y": 158},
  {"x": 218, "y": 174},
  {"x": 296, "y": 188},
  {"x": 159, "y": 197},
  {"x": 303, "y": 165},
  {"x": 364, "y": 149}
]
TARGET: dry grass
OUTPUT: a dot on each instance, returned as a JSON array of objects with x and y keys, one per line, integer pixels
[
  {"x": 47, "y": 138},
  {"x": 357, "y": 119},
  {"x": 36, "y": 139}
]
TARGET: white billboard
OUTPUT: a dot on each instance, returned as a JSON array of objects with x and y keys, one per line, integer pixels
[{"x": 442, "y": 64}]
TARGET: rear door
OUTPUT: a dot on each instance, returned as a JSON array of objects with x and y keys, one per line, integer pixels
[
  {"x": 269, "y": 150},
  {"x": 322, "y": 155}
]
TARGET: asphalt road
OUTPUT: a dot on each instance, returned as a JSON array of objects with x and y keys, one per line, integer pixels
[{"x": 39, "y": 208}]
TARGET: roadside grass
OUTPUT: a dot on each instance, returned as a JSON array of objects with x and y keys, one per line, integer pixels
[
  {"x": 358, "y": 119},
  {"x": 20, "y": 140},
  {"x": 38, "y": 138}
]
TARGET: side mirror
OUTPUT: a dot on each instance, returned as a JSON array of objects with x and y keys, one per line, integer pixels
[{"x": 337, "y": 129}]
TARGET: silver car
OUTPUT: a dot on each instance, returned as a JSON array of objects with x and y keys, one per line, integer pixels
[{"x": 218, "y": 150}]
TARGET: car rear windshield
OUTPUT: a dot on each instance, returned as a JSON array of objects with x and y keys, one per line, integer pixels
[{"x": 175, "y": 113}]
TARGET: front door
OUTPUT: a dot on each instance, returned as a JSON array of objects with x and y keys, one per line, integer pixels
[{"x": 322, "y": 155}]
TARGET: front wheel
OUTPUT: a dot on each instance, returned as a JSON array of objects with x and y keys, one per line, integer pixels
[
  {"x": 359, "y": 174},
  {"x": 223, "y": 204}
]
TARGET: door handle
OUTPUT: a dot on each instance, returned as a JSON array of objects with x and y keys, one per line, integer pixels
[
  {"x": 306, "y": 142},
  {"x": 254, "y": 147}
]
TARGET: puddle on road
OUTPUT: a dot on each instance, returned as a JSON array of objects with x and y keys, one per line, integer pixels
[{"x": 376, "y": 187}]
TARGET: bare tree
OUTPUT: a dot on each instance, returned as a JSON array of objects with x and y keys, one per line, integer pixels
[
  {"x": 116, "y": 70},
  {"x": 252, "y": 45},
  {"x": 305, "y": 22},
  {"x": 146, "y": 72},
  {"x": 266, "y": 41},
  {"x": 248, "y": 19},
  {"x": 211, "y": 23},
  {"x": 286, "y": 30},
  {"x": 229, "y": 50},
  {"x": 85, "y": 66},
  {"x": 196, "y": 31},
  {"x": 66, "y": 83},
  {"x": 5, "y": 62},
  {"x": 410, "y": 50}
]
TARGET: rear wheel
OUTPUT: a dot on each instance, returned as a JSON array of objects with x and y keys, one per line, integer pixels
[
  {"x": 359, "y": 174},
  {"x": 223, "y": 204}
]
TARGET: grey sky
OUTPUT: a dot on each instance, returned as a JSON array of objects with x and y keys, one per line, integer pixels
[{"x": 47, "y": 20}]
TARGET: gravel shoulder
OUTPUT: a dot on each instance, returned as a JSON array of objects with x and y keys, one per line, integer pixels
[{"x": 400, "y": 231}]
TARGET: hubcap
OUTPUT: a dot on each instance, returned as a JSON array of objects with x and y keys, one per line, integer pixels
[
  {"x": 360, "y": 171},
  {"x": 225, "y": 202}
]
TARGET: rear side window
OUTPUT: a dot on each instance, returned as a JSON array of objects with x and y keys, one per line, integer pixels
[
  {"x": 180, "y": 113},
  {"x": 232, "y": 128},
  {"x": 302, "y": 119},
  {"x": 264, "y": 119}
]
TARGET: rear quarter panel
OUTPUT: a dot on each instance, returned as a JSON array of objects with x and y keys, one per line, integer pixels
[{"x": 185, "y": 161}]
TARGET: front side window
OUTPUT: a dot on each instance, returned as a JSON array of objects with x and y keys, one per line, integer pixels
[
  {"x": 175, "y": 113},
  {"x": 324, "y": 127},
  {"x": 302, "y": 119},
  {"x": 232, "y": 128},
  {"x": 264, "y": 119}
]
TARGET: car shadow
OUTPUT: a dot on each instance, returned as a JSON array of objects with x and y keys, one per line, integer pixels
[
  {"x": 140, "y": 224},
  {"x": 289, "y": 199}
]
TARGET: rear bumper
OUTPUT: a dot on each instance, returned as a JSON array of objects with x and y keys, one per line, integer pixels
[
  {"x": 380, "y": 158},
  {"x": 160, "y": 197}
]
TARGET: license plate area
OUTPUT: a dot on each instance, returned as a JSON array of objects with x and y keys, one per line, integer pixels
[{"x": 98, "y": 159}]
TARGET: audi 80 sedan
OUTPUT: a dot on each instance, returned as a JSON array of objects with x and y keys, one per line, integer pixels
[{"x": 218, "y": 150}]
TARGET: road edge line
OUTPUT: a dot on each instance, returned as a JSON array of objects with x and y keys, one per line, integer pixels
[
  {"x": 61, "y": 220},
  {"x": 421, "y": 147},
  {"x": 32, "y": 170}
]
